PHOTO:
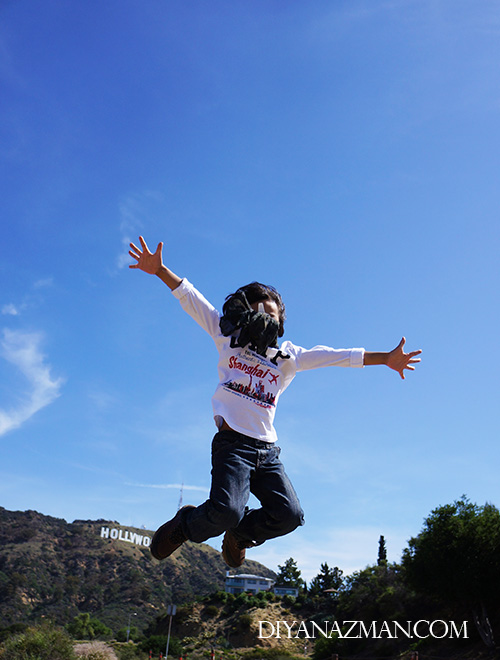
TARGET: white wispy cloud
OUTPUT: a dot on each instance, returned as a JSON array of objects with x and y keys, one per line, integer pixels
[
  {"x": 22, "y": 349},
  {"x": 132, "y": 209},
  {"x": 11, "y": 309},
  {"x": 43, "y": 283},
  {"x": 203, "y": 489},
  {"x": 28, "y": 300},
  {"x": 136, "y": 210}
]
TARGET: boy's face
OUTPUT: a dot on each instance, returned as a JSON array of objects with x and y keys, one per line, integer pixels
[{"x": 270, "y": 307}]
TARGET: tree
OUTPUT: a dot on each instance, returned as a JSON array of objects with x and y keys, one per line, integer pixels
[
  {"x": 289, "y": 575},
  {"x": 456, "y": 557},
  {"x": 375, "y": 593},
  {"x": 382, "y": 552},
  {"x": 327, "y": 578},
  {"x": 84, "y": 626}
]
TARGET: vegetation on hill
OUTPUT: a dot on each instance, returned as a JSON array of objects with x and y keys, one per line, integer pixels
[
  {"x": 57, "y": 570},
  {"x": 456, "y": 557},
  {"x": 100, "y": 588}
]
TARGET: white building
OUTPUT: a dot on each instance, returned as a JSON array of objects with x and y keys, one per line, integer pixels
[{"x": 246, "y": 583}]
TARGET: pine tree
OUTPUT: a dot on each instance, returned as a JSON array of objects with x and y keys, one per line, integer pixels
[
  {"x": 328, "y": 578},
  {"x": 382, "y": 552},
  {"x": 289, "y": 575}
]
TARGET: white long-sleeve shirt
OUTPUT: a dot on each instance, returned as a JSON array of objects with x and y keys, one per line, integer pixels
[{"x": 250, "y": 385}]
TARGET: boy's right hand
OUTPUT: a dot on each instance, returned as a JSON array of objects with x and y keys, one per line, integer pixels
[{"x": 146, "y": 260}]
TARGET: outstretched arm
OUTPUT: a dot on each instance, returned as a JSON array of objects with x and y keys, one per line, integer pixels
[
  {"x": 152, "y": 263},
  {"x": 396, "y": 359}
]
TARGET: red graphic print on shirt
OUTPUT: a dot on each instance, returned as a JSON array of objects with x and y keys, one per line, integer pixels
[{"x": 258, "y": 377}]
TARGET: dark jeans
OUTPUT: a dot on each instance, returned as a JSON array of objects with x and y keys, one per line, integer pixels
[{"x": 240, "y": 466}]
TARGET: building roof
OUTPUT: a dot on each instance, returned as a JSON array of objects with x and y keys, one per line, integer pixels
[{"x": 249, "y": 576}]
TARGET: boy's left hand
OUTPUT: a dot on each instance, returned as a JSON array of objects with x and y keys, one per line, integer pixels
[{"x": 398, "y": 360}]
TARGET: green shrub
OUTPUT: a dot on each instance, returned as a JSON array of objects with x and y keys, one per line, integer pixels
[
  {"x": 158, "y": 643},
  {"x": 245, "y": 621},
  {"x": 241, "y": 599},
  {"x": 132, "y": 633},
  {"x": 14, "y": 629},
  {"x": 261, "y": 598},
  {"x": 211, "y": 610},
  {"x": 44, "y": 642},
  {"x": 130, "y": 652},
  {"x": 219, "y": 596}
]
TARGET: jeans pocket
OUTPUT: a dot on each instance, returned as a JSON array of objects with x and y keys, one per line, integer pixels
[{"x": 221, "y": 441}]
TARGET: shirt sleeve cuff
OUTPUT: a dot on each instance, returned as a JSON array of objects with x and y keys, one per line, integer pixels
[
  {"x": 357, "y": 357},
  {"x": 183, "y": 289}
]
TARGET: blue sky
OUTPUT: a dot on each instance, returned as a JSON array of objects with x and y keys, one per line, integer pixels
[{"x": 346, "y": 152}]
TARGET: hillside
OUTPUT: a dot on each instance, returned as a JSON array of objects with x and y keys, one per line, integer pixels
[
  {"x": 51, "y": 569},
  {"x": 55, "y": 569},
  {"x": 231, "y": 626}
]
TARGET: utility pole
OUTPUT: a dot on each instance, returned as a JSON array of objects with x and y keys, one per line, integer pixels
[
  {"x": 128, "y": 626},
  {"x": 171, "y": 609}
]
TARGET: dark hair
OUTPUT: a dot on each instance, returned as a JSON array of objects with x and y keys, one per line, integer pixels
[{"x": 257, "y": 292}]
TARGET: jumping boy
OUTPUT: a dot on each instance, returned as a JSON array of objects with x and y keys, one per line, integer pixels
[{"x": 253, "y": 372}]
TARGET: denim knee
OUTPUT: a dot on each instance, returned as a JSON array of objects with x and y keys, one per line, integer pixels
[
  {"x": 293, "y": 518},
  {"x": 226, "y": 516}
]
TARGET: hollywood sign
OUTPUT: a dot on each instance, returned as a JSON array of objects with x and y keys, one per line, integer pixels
[{"x": 125, "y": 535}]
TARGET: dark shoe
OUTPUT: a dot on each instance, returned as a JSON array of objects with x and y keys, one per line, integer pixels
[
  {"x": 169, "y": 536},
  {"x": 233, "y": 550}
]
